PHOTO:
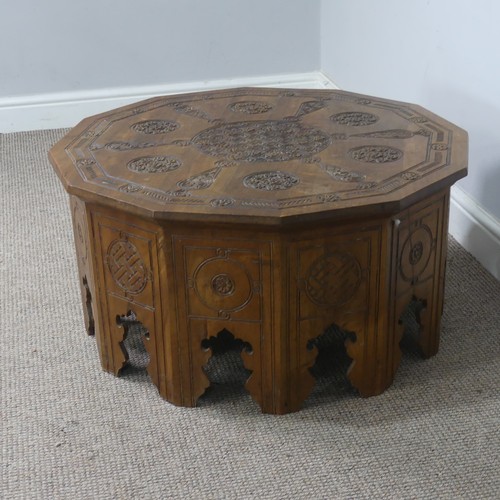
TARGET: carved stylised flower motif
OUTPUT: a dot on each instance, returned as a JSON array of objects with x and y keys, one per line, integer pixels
[{"x": 222, "y": 284}]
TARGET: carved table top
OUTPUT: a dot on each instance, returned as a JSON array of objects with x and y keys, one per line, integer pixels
[{"x": 269, "y": 156}]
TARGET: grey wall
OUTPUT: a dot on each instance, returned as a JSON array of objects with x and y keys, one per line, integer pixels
[
  {"x": 60, "y": 45},
  {"x": 442, "y": 54}
]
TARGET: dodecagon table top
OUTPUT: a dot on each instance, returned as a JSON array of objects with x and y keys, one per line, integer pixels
[{"x": 256, "y": 155}]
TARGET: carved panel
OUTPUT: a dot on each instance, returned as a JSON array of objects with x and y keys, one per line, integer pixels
[
  {"x": 420, "y": 247},
  {"x": 335, "y": 280},
  {"x": 223, "y": 282},
  {"x": 127, "y": 261}
]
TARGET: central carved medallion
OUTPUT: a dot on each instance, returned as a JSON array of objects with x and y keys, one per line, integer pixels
[
  {"x": 262, "y": 141},
  {"x": 222, "y": 284}
]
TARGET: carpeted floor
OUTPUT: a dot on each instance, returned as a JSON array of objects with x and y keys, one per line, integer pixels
[{"x": 70, "y": 431}]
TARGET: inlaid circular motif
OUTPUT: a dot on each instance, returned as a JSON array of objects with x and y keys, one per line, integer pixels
[
  {"x": 223, "y": 284},
  {"x": 262, "y": 141},
  {"x": 270, "y": 181},
  {"x": 375, "y": 154},
  {"x": 333, "y": 279},
  {"x": 416, "y": 253},
  {"x": 126, "y": 266},
  {"x": 152, "y": 127},
  {"x": 354, "y": 118},
  {"x": 154, "y": 164},
  {"x": 229, "y": 290},
  {"x": 250, "y": 107}
]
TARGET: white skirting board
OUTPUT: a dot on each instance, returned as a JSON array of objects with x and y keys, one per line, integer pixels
[
  {"x": 473, "y": 227},
  {"x": 66, "y": 109},
  {"x": 476, "y": 230}
]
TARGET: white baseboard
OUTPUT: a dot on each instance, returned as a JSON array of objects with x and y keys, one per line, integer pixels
[
  {"x": 476, "y": 230},
  {"x": 66, "y": 109}
]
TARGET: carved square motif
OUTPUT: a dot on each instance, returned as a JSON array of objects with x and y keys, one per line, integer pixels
[
  {"x": 223, "y": 281},
  {"x": 126, "y": 260},
  {"x": 333, "y": 275}
]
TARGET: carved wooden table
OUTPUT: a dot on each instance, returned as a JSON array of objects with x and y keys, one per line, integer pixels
[{"x": 270, "y": 214}]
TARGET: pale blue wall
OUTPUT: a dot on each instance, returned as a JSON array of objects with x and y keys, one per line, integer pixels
[
  {"x": 442, "y": 54},
  {"x": 62, "y": 45}
]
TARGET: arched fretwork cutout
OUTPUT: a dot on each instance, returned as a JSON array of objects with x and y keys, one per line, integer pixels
[
  {"x": 225, "y": 366},
  {"x": 88, "y": 304},
  {"x": 132, "y": 345},
  {"x": 332, "y": 361},
  {"x": 412, "y": 324}
]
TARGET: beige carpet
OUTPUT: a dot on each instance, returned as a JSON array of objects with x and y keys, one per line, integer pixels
[{"x": 70, "y": 431}]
